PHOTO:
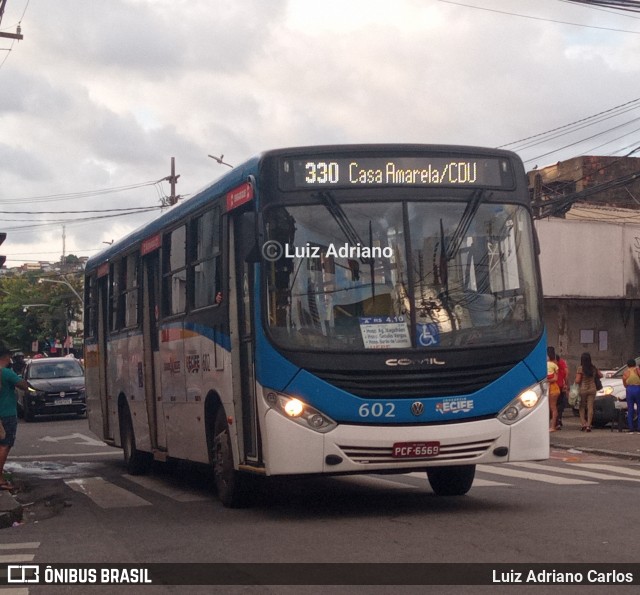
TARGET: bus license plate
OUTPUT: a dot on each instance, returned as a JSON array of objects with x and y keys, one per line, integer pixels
[{"x": 413, "y": 450}]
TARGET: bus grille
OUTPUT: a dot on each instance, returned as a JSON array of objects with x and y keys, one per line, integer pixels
[
  {"x": 448, "y": 452},
  {"x": 398, "y": 384}
]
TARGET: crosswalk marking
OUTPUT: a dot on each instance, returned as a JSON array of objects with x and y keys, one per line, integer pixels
[
  {"x": 16, "y": 558},
  {"x": 612, "y": 468},
  {"x": 106, "y": 494},
  {"x": 568, "y": 471},
  {"x": 543, "y": 477},
  {"x": 387, "y": 481},
  {"x": 477, "y": 482},
  {"x": 161, "y": 487}
]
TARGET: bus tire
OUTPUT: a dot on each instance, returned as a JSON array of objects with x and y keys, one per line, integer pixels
[
  {"x": 136, "y": 461},
  {"x": 451, "y": 481},
  {"x": 231, "y": 485}
]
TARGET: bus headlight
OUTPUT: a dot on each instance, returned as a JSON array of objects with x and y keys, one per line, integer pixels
[
  {"x": 300, "y": 412},
  {"x": 523, "y": 404}
]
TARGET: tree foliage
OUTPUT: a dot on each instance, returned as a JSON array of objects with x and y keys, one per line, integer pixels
[{"x": 31, "y": 311}]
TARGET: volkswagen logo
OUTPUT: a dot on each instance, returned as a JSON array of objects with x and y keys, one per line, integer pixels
[
  {"x": 417, "y": 408},
  {"x": 62, "y": 394}
]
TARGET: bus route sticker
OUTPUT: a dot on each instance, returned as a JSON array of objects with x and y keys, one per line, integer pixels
[{"x": 384, "y": 332}]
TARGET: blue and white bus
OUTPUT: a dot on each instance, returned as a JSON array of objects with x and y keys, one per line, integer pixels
[{"x": 327, "y": 310}]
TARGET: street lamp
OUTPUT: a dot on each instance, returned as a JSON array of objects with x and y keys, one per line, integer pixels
[
  {"x": 45, "y": 280},
  {"x": 25, "y": 307}
]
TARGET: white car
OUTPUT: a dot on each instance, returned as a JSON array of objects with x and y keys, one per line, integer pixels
[{"x": 612, "y": 385}]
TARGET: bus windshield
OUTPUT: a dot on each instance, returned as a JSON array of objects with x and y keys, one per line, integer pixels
[{"x": 400, "y": 275}]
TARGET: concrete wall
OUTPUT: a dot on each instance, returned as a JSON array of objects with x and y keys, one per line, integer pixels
[
  {"x": 591, "y": 285},
  {"x": 589, "y": 259},
  {"x": 607, "y": 329}
]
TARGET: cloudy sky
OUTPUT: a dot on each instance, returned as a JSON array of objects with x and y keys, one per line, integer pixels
[{"x": 98, "y": 96}]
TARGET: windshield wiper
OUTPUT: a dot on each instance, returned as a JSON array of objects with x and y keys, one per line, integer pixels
[
  {"x": 449, "y": 249},
  {"x": 341, "y": 218},
  {"x": 345, "y": 225},
  {"x": 458, "y": 236}
]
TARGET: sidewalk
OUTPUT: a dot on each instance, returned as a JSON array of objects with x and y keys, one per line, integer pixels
[
  {"x": 10, "y": 510},
  {"x": 598, "y": 441}
]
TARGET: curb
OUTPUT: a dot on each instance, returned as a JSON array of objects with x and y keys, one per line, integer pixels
[
  {"x": 599, "y": 451},
  {"x": 10, "y": 510}
]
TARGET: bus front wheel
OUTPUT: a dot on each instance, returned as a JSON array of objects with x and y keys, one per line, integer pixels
[
  {"x": 451, "y": 481},
  {"x": 231, "y": 485}
]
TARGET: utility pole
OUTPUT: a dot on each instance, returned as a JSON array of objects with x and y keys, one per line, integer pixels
[
  {"x": 64, "y": 245},
  {"x": 18, "y": 34},
  {"x": 173, "y": 180}
]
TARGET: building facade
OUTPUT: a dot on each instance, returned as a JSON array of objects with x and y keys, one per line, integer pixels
[{"x": 591, "y": 285}]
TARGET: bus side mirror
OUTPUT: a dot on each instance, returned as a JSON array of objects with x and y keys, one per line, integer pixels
[{"x": 247, "y": 243}]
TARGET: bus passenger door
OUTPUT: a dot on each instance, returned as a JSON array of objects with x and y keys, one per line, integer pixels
[
  {"x": 151, "y": 350},
  {"x": 241, "y": 275}
]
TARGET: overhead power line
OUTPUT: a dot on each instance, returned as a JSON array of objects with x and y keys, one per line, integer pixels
[
  {"x": 23, "y": 228},
  {"x": 124, "y": 211},
  {"x": 549, "y": 208},
  {"x": 634, "y": 103},
  {"x": 81, "y": 194},
  {"x": 626, "y": 5},
  {"x": 535, "y": 18}
]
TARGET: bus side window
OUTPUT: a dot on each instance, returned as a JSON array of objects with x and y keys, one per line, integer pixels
[
  {"x": 175, "y": 272},
  {"x": 131, "y": 291},
  {"x": 206, "y": 259},
  {"x": 115, "y": 297},
  {"x": 91, "y": 307}
]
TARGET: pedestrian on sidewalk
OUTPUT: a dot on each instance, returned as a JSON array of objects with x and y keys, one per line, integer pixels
[
  {"x": 8, "y": 410},
  {"x": 631, "y": 381},
  {"x": 585, "y": 379},
  {"x": 554, "y": 389},
  {"x": 563, "y": 383}
]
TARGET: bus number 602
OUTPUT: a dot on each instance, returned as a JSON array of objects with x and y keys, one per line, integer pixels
[{"x": 377, "y": 410}]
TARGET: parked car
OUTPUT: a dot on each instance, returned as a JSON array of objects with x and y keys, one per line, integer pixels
[
  {"x": 610, "y": 399},
  {"x": 56, "y": 385}
]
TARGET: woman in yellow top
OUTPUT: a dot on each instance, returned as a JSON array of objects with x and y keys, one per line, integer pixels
[
  {"x": 585, "y": 379},
  {"x": 554, "y": 389},
  {"x": 631, "y": 380}
]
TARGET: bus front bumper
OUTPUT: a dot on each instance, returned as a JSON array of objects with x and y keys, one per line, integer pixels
[{"x": 291, "y": 449}]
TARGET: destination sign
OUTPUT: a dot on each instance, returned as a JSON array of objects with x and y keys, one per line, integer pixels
[{"x": 423, "y": 171}]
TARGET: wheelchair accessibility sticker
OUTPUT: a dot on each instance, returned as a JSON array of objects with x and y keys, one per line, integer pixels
[{"x": 427, "y": 334}]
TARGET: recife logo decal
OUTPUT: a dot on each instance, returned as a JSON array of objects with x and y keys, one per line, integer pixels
[{"x": 454, "y": 405}]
